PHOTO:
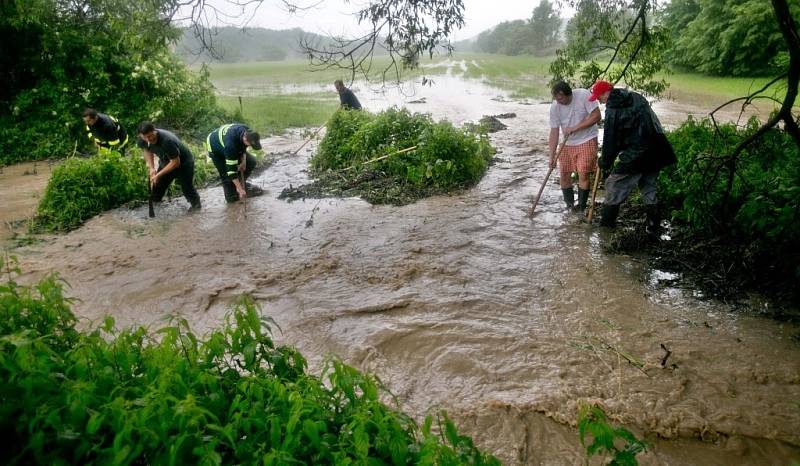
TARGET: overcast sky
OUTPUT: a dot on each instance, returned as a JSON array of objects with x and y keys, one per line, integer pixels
[{"x": 335, "y": 16}]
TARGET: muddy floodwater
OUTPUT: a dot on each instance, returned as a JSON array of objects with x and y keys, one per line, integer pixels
[{"x": 460, "y": 302}]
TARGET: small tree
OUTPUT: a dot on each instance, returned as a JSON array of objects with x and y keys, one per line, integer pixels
[{"x": 545, "y": 25}]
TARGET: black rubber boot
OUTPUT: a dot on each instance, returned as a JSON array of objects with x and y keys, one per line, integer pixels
[
  {"x": 583, "y": 198},
  {"x": 653, "y": 223},
  {"x": 608, "y": 216},
  {"x": 569, "y": 196},
  {"x": 230, "y": 191}
]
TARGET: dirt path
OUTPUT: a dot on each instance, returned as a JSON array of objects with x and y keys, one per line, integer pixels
[{"x": 460, "y": 302}]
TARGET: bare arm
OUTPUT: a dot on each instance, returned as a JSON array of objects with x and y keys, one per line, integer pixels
[
  {"x": 552, "y": 143},
  {"x": 148, "y": 159},
  {"x": 590, "y": 120}
]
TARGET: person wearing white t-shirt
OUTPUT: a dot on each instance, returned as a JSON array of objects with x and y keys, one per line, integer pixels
[{"x": 576, "y": 117}]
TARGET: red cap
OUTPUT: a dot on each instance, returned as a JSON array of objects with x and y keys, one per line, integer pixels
[{"x": 600, "y": 88}]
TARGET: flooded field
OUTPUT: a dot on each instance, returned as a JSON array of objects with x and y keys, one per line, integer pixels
[{"x": 460, "y": 302}]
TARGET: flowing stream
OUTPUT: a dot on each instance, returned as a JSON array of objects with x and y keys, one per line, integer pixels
[{"x": 459, "y": 302}]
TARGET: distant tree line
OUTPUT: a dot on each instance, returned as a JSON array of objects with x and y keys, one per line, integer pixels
[
  {"x": 719, "y": 37},
  {"x": 538, "y": 35},
  {"x": 234, "y": 44}
]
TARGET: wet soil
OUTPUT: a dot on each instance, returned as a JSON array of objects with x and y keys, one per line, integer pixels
[{"x": 460, "y": 302}]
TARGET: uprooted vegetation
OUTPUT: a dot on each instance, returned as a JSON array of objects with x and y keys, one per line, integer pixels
[{"x": 394, "y": 157}]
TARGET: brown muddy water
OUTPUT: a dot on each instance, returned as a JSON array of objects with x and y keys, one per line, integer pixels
[
  {"x": 460, "y": 302},
  {"x": 21, "y": 187}
]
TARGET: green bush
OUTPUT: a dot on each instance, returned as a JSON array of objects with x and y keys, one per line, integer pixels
[
  {"x": 445, "y": 157},
  {"x": 756, "y": 196},
  {"x": 108, "y": 396},
  {"x": 81, "y": 188},
  {"x": 749, "y": 206}
]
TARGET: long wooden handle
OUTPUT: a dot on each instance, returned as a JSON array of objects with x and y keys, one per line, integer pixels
[
  {"x": 407, "y": 149},
  {"x": 547, "y": 177},
  {"x": 309, "y": 139},
  {"x": 244, "y": 188},
  {"x": 594, "y": 194},
  {"x": 151, "y": 212}
]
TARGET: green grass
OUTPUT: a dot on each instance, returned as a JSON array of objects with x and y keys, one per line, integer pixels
[
  {"x": 523, "y": 76},
  {"x": 272, "y": 105},
  {"x": 527, "y": 76},
  {"x": 274, "y": 113},
  {"x": 293, "y": 72},
  {"x": 712, "y": 90}
]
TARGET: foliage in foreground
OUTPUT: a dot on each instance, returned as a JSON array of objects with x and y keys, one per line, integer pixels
[
  {"x": 445, "y": 157},
  {"x": 81, "y": 188},
  {"x": 605, "y": 438},
  {"x": 108, "y": 396}
]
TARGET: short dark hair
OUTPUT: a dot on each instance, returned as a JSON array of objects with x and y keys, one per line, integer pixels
[
  {"x": 338, "y": 82},
  {"x": 253, "y": 138},
  {"x": 561, "y": 87},
  {"x": 146, "y": 127},
  {"x": 89, "y": 112}
]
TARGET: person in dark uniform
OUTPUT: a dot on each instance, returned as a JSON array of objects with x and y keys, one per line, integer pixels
[
  {"x": 105, "y": 131},
  {"x": 175, "y": 160},
  {"x": 227, "y": 148},
  {"x": 347, "y": 99}
]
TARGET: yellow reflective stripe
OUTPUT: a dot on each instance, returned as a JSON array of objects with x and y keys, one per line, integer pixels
[
  {"x": 114, "y": 142},
  {"x": 232, "y": 173},
  {"x": 231, "y": 162},
  {"x": 208, "y": 143},
  {"x": 125, "y": 141},
  {"x": 221, "y": 132}
]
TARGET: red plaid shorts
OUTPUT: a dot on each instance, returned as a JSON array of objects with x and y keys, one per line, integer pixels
[{"x": 581, "y": 158}]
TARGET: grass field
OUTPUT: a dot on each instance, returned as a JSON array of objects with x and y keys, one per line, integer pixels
[
  {"x": 272, "y": 114},
  {"x": 280, "y": 95}
]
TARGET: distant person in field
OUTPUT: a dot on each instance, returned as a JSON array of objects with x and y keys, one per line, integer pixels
[
  {"x": 576, "y": 116},
  {"x": 175, "y": 160},
  {"x": 347, "y": 99},
  {"x": 105, "y": 131},
  {"x": 227, "y": 147},
  {"x": 631, "y": 131}
]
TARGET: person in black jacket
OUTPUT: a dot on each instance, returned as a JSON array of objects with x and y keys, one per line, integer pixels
[
  {"x": 175, "y": 160},
  {"x": 633, "y": 133},
  {"x": 347, "y": 99},
  {"x": 104, "y": 130},
  {"x": 227, "y": 148}
]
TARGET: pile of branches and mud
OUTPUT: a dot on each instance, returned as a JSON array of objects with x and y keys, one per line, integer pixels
[{"x": 394, "y": 157}]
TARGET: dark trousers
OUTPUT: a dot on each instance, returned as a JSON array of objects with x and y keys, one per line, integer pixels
[
  {"x": 185, "y": 176},
  {"x": 227, "y": 185}
]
